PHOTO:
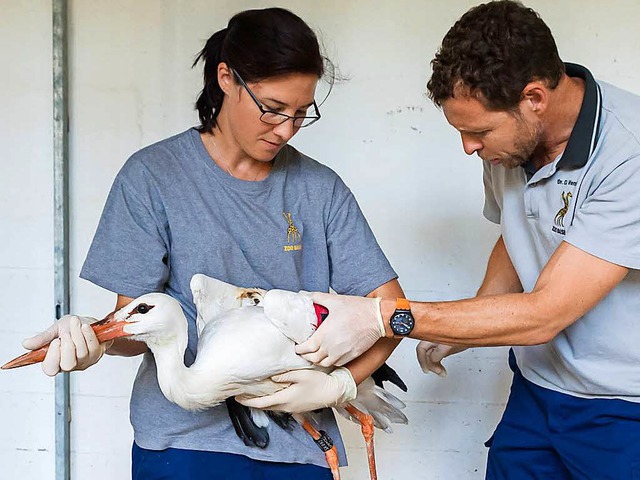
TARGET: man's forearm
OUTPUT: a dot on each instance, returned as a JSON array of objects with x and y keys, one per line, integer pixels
[
  {"x": 465, "y": 322},
  {"x": 500, "y": 278},
  {"x": 571, "y": 284},
  {"x": 510, "y": 319}
]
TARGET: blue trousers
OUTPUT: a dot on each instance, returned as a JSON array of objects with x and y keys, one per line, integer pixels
[
  {"x": 548, "y": 435},
  {"x": 176, "y": 464}
]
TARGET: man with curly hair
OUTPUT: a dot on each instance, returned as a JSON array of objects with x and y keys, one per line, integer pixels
[{"x": 561, "y": 157}]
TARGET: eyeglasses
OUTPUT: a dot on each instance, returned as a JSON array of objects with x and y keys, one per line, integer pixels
[{"x": 277, "y": 118}]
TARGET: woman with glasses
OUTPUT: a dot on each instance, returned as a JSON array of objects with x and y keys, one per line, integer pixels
[{"x": 231, "y": 199}]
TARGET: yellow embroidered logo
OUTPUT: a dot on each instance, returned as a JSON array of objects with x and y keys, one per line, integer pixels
[
  {"x": 559, "y": 218},
  {"x": 293, "y": 235}
]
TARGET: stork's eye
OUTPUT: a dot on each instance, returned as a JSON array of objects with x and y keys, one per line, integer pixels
[{"x": 143, "y": 308}]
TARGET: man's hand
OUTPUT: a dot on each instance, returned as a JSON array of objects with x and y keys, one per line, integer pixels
[
  {"x": 354, "y": 324},
  {"x": 307, "y": 390},
  {"x": 430, "y": 356},
  {"x": 74, "y": 345}
]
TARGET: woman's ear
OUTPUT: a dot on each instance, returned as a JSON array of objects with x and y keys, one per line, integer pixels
[{"x": 225, "y": 77}]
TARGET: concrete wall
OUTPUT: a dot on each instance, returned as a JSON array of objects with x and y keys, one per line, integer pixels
[{"x": 131, "y": 84}]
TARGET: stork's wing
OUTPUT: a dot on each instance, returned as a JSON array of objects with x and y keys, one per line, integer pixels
[
  {"x": 213, "y": 297},
  {"x": 292, "y": 313}
]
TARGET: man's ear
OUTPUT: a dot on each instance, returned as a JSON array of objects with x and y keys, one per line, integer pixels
[{"x": 535, "y": 97}]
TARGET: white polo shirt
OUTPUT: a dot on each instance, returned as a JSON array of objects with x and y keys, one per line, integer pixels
[{"x": 589, "y": 197}]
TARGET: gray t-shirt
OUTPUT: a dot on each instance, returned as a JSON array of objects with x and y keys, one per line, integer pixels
[
  {"x": 172, "y": 212},
  {"x": 588, "y": 197}
]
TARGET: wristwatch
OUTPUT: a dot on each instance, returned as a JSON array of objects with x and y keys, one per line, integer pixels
[{"x": 402, "y": 322}]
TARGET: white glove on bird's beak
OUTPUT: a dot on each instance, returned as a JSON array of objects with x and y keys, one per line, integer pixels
[
  {"x": 354, "y": 324},
  {"x": 307, "y": 390},
  {"x": 430, "y": 356},
  {"x": 74, "y": 345}
]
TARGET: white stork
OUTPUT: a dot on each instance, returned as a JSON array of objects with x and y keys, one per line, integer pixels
[{"x": 231, "y": 320}]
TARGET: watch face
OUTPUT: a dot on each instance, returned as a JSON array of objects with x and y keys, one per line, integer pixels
[{"x": 402, "y": 323}]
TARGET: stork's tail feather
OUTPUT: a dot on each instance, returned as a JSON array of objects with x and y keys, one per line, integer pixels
[
  {"x": 246, "y": 428},
  {"x": 387, "y": 374},
  {"x": 385, "y": 408}
]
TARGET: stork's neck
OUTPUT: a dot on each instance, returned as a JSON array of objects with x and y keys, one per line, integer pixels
[
  {"x": 192, "y": 388},
  {"x": 174, "y": 377},
  {"x": 187, "y": 387}
]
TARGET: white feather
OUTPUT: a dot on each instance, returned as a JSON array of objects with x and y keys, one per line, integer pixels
[
  {"x": 385, "y": 408},
  {"x": 213, "y": 297},
  {"x": 259, "y": 417}
]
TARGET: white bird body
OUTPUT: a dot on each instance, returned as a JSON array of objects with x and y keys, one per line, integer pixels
[{"x": 238, "y": 352}]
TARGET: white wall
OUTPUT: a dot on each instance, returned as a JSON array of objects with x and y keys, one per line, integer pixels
[{"x": 131, "y": 84}]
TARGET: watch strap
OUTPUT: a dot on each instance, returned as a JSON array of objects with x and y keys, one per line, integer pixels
[{"x": 402, "y": 304}]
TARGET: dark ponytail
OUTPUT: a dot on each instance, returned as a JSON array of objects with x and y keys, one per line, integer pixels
[
  {"x": 210, "y": 99},
  {"x": 258, "y": 44}
]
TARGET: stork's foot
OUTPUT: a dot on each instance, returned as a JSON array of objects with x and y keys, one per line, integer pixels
[{"x": 367, "y": 427}]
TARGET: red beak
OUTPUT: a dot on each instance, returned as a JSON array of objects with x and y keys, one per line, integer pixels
[{"x": 106, "y": 329}]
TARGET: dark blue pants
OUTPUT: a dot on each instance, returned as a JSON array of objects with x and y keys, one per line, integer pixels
[
  {"x": 548, "y": 435},
  {"x": 175, "y": 464}
]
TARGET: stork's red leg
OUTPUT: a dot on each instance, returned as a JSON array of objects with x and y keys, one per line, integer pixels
[
  {"x": 366, "y": 423},
  {"x": 325, "y": 443}
]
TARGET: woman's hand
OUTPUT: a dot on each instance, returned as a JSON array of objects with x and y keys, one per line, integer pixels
[
  {"x": 73, "y": 345},
  {"x": 307, "y": 390}
]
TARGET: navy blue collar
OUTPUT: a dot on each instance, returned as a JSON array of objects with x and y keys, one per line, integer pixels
[{"x": 584, "y": 136}]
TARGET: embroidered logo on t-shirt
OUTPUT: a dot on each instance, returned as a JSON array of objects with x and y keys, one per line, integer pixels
[
  {"x": 293, "y": 235},
  {"x": 559, "y": 218}
]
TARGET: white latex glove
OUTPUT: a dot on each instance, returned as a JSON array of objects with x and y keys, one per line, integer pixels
[
  {"x": 74, "y": 345},
  {"x": 354, "y": 324},
  {"x": 307, "y": 390},
  {"x": 430, "y": 356}
]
